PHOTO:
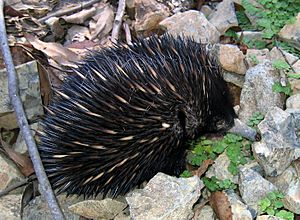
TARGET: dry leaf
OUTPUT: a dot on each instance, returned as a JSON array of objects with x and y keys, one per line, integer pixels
[
  {"x": 80, "y": 17},
  {"x": 202, "y": 169},
  {"x": 22, "y": 161},
  {"x": 54, "y": 51},
  {"x": 104, "y": 22},
  {"x": 221, "y": 206}
]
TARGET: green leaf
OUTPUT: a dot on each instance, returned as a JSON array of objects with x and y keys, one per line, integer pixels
[
  {"x": 186, "y": 174},
  {"x": 271, "y": 196},
  {"x": 277, "y": 87},
  {"x": 278, "y": 204},
  {"x": 219, "y": 147},
  {"x": 270, "y": 211},
  {"x": 285, "y": 215},
  {"x": 281, "y": 65},
  {"x": 233, "y": 169},
  {"x": 264, "y": 204},
  {"x": 294, "y": 76}
]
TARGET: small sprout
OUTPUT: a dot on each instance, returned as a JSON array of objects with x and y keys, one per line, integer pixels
[
  {"x": 272, "y": 204},
  {"x": 294, "y": 75},
  {"x": 255, "y": 119},
  {"x": 285, "y": 215},
  {"x": 281, "y": 65},
  {"x": 214, "y": 184},
  {"x": 287, "y": 90},
  {"x": 186, "y": 174},
  {"x": 254, "y": 59},
  {"x": 233, "y": 145}
]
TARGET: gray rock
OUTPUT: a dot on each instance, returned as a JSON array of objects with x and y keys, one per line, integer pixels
[
  {"x": 192, "y": 24},
  {"x": 10, "y": 207},
  {"x": 38, "y": 208},
  {"x": 257, "y": 93},
  {"x": 165, "y": 197},
  {"x": 295, "y": 113},
  {"x": 148, "y": 14},
  {"x": 290, "y": 32},
  {"x": 224, "y": 17},
  {"x": 20, "y": 145},
  {"x": 277, "y": 129},
  {"x": 254, "y": 54},
  {"x": 242, "y": 129},
  {"x": 234, "y": 78},
  {"x": 29, "y": 86},
  {"x": 238, "y": 209},
  {"x": 206, "y": 213},
  {"x": 9, "y": 172},
  {"x": 253, "y": 187},
  {"x": 206, "y": 10},
  {"x": 273, "y": 160},
  {"x": 278, "y": 147},
  {"x": 98, "y": 209},
  {"x": 219, "y": 169},
  {"x": 283, "y": 180},
  {"x": 293, "y": 101},
  {"x": 232, "y": 59},
  {"x": 291, "y": 199},
  {"x": 252, "y": 35},
  {"x": 179, "y": 5}
]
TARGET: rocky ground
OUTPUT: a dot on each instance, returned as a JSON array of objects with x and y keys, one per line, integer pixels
[{"x": 262, "y": 72}]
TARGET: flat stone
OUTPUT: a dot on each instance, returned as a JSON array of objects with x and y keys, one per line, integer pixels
[
  {"x": 165, "y": 197},
  {"x": 10, "y": 207},
  {"x": 224, "y": 17},
  {"x": 257, "y": 94},
  {"x": 191, "y": 24},
  {"x": 97, "y": 209},
  {"x": 29, "y": 90}
]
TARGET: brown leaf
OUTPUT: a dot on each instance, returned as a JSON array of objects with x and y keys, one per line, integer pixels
[
  {"x": 22, "y": 161},
  {"x": 54, "y": 51},
  {"x": 80, "y": 17},
  {"x": 8, "y": 10},
  {"x": 221, "y": 206},
  {"x": 202, "y": 169},
  {"x": 104, "y": 23}
]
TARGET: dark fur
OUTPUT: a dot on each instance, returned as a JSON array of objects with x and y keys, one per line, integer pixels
[{"x": 156, "y": 95}]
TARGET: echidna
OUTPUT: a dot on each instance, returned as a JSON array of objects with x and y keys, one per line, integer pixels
[{"x": 127, "y": 113}]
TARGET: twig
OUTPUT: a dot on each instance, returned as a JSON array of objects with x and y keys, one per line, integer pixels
[
  {"x": 23, "y": 123},
  {"x": 127, "y": 33},
  {"x": 69, "y": 10},
  {"x": 118, "y": 21},
  {"x": 13, "y": 187}
]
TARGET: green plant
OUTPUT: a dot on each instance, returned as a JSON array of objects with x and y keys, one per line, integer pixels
[
  {"x": 257, "y": 44},
  {"x": 294, "y": 75},
  {"x": 281, "y": 65},
  {"x": 202, "y": 151},
  {"x": 214, "y": 184},
  {"x": 234, "y": 152},
  {"x": 255, "y": 119},
  {"x": 272, "y": 15},
  {"x": 231, "y": 33},
  {"x": 254, "y": 59},
  {"x": 243, "y": 20},
  {"x": 272, "y": 205},
  {"x": 234, "y": 146},
  {"x": 287, "y": 90},
  {"x": 186, "y": 174},
  {"x": 289, "y": 48}
]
